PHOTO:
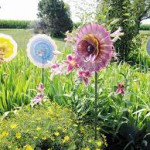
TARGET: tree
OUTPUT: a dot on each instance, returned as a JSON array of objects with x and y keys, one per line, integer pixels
[
  {"x": 83, "y": 10},
  {"x": 56, "y": 15},
  {"x": 129, "y": 14}
]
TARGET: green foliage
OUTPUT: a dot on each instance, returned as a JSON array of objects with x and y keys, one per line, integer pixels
[
  {"x": 124, "y": 119},
  {"x": 118, "y": 116},
  {"x": 39, "y": 27},
  {"x": 128, "y": 14},
  {"x": 43, "y": 127},
  {"x": 56, "y": 15},
  {"x": 145, "y": 27},
  {"x": 77, "y": 24},
  {"x": 14, "y": 24},
  {"x": 19, "y": 78}
]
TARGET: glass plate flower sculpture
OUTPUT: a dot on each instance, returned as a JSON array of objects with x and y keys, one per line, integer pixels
[
  {"x": 8, "y": 48},
  {"x": 94, "y": 47},
  {"x": 92, "y": 50},
  {"x": 148, "y": 47},
  {"x": 41, "y": 50}
]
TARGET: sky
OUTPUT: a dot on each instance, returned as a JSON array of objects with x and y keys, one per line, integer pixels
[
  {"x": 18, "y": 9},
  {"x": 28, "y": 9}
]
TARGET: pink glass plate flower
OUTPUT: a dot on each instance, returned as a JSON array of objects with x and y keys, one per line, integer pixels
[{"x": 94, "y": 47}]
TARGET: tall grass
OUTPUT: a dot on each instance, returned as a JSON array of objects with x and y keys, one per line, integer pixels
[{"x": 20, "y": 77}]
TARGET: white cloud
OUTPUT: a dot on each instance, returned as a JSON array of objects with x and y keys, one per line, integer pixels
[
  {"x": 146, "y": 21},
  {"x": 19, "y": 9}
]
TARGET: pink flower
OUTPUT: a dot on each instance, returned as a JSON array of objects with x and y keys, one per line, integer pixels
[
  {"x": 116, "y": 35},
  {"x": 84, "y": 76},
  {"x": 57, "y": 69},
  {"x": 93, "y": 47},
  {"x": 40, "y": 94},
  {"x": 40, "y": 87},
  {"x": 71, "y": 63},
  {"x": 55, "y": 66},
  {"x": 69, "y": 37},
  {"x": 38, "y": 98},
  {"x": 120, "y": 89}
]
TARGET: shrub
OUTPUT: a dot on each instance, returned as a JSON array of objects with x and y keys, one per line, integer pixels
[
  {"x": 56, "y": 15},
  {"x": 128, "y": 14},
  {"x": 14, "y": 24},
  {"x": 46, "y": 126},
  {"x": 145, "y": 27},
  {"x": 39, "y": 27}
]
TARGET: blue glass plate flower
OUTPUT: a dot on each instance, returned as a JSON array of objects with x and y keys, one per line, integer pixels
[
  {"x": 41, "y": 50},
  {"x": 148, "y": 47}
]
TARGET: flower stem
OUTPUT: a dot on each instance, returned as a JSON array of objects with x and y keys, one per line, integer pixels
[
  {"x": 43, "y": 76},
  {"x": 96, "y": 80},
  {"x": 73, "y": 102}
]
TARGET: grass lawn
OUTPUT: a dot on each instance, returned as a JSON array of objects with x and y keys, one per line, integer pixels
[
  {"x": 145, "y": 32},
  {"x": 22, "y": 37}
]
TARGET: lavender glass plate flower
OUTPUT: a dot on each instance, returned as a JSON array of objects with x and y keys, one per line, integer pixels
[
  {"x": 148, "y": 47},
  {"x": 41, "y": 50},
  {"x": 94, "y": 47}
]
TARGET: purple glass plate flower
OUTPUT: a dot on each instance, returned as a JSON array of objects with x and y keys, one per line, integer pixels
[{"x": 148, "y": 47}]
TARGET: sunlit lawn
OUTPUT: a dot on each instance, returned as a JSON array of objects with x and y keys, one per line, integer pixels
[{"x": 22, "y": 37}]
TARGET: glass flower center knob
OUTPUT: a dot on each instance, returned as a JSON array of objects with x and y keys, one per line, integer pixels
[{"x": 90, "y": 49}]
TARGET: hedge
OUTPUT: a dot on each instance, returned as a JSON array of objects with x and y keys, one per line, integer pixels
[
  {"x": 145, "y": 27},
  {"x": 14, "y": 24}
]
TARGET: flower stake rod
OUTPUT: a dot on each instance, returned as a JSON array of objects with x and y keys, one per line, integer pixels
[
  {"x": 96, "y": 96},
  {"x": 43, "y": 75}
]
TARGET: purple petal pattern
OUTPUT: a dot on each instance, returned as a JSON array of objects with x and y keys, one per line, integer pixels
[
  {"x": 148, "y": 47},
  {"x": 94, "y": 47}
]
